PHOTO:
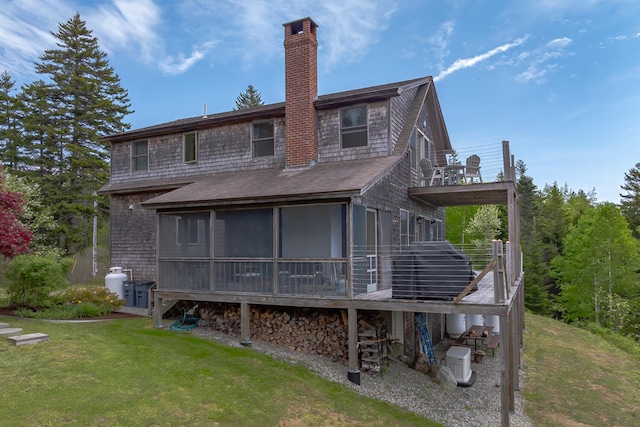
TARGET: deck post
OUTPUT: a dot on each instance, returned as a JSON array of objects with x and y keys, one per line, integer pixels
[
  {"x": 504, "y": 370},
  {"x": 515, "y": 349},
  {"x": 245, "y": 338},
  {"x": 353, "y": 339},
  {"x": 511, "y": 357},
  {"x": 498, "y": 270},
  {"x": 157, "y": 310},
  {"x": 509, "y": 266}
]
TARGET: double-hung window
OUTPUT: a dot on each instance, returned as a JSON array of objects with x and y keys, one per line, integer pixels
[
  {"x": 190, "y": 147},
  {"x": 262, "y": 141},
  {"x": 353, "y": 126},
  {"x": 139, "y": 156}
]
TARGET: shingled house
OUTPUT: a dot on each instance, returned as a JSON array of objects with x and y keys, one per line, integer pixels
[{"x": 304, "y": 203}]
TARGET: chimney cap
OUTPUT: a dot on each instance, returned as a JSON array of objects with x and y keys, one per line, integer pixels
[{"x": 313, "y": 24}]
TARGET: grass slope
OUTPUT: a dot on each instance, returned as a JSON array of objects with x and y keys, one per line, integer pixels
[
  {"x": 128, "y": 373},
  {"x": 576, "y": 378}
]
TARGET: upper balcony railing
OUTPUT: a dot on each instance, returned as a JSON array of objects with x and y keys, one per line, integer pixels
[{"x": 493, "y": 164}]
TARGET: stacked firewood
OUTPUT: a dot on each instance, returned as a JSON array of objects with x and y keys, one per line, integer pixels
[
  {"x": 316, "y": 331},
  {"x": 373, "y": 342}
]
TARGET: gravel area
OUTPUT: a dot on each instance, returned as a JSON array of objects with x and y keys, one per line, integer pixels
[{"x": 478, "y": 405}]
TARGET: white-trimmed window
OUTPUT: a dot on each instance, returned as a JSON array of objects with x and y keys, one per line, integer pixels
[
  {"x": 404, "y": 227},
  {"x": 353, "y": 126},
  {"x": 262, "y": 141},
  {"x": 139, "y": 156},
  {"x": 426, "y": 148},
  {"x": 190, "y": 147}
]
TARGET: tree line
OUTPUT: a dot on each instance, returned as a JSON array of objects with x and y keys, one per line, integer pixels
[
  {"x": 581, "y": 258},
  {"x": 50, "y": 137}
]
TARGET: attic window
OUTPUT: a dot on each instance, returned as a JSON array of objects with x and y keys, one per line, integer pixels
[
  {"x": 190, "y": 147},
  {"x": 139, "y": 156},
  {"x": 262, "y": 139},
  {"x": 353, "y": 126}
]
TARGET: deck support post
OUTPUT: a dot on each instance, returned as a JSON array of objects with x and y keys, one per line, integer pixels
[
  {"x": 504, "y": 370},
  {"x": 353, "y": 339},
  {"x": 157, "y": 310},
  {"x": 498, "y": 273},
  {"x": 245, "y": 338}
]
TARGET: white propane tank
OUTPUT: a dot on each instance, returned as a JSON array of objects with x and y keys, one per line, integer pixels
[
  {"x": 493, "y": 320},
  {"x": 113, "y": 281},
  {"x": 455, "y": 325},
  {"x": 474, "y": 320}
]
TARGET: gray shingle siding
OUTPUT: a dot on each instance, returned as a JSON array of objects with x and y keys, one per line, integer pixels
[
  {"x": 220, "y": 149},
  {"x": 133, "y": 235},
  {"x": 390, "y": 194},
  {"x": 328, "y": 122},
  {"x": 400, "y": 107}
]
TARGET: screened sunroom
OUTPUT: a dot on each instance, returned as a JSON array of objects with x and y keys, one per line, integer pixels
[{"x": 283, "y": 250}]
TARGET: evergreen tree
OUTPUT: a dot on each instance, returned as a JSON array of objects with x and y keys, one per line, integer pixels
[
  {"x": 9, "y": 123},
  {"x": 630, "y": 200},
  {"x": 536, "y": 295},
  {"x": 85, "y": 102},
  {"x": 249, "y": 98}
]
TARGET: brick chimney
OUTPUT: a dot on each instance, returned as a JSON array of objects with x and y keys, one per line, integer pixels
[{"x": 301, "y": 81}]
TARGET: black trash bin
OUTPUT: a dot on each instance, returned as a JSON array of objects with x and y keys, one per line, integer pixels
[
  {"x": 129, "y": 293},
  {"x": 142, "y": 293}
]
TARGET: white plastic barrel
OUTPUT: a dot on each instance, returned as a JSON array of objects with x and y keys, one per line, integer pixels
[
  {"x": 493, "y": 320},
  {"x": 474, "y": 319},
  {"x": 113, "y": 281},
  {"x": 455, "y": 325}
]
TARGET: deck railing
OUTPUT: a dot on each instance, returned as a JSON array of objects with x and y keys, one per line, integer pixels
[
  {"x": 317, "y": 277},
  {"x": 492, "y": 163},
  {"x": 430, "y": 272}
]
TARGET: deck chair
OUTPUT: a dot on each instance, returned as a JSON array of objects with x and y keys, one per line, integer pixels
[
  {"x": 472, "y": 169},
  {"x": 429, "y": 173}
]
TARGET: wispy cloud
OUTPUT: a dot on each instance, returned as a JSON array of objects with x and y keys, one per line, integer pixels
[
  {"x": 460, "y": 64},
  {"x": 541, "y": 60},
  {"x": 173, "y": 66},
  {"x": 440, "y": 42},
  {"x": 252, "y": 29},
  {"x": 176, "y": 36},
  {"x": 25, "y": 33},
  {"x": 352, "y": 27},
  {"x": 128, "y": 25}
]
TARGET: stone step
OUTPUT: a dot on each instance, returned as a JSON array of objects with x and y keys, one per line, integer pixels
[
  {"x": 3, "y": 325},
  {"x": 28, "y": 338},
  {"x": 5, "y": 332}
]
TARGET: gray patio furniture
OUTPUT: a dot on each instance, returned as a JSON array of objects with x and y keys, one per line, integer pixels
[{"x": 472, "y": 169}]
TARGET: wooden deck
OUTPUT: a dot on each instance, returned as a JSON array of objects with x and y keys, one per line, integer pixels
[{"x": 484, "y": 294}]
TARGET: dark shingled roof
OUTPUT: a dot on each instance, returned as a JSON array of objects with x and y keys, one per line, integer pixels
[
  {"x": 368, "y": 94},
  {"x": 321, "y": 181}
]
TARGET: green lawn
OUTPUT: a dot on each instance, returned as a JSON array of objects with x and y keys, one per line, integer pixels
[
  {"x": 576, "y": 378},
  {"x": 126, "y": 372}
]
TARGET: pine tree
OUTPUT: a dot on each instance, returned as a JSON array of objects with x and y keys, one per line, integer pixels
[
  {"x": 249, "y": 98},
  {"x": 630, "y": 201},
  {"x": 9, "y": 123},
  {"x": 85, "y": 102}
]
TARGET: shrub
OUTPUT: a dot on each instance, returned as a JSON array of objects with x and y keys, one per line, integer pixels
[
  {"x": 33, "y": 278},
  {"x": 97, "y": 295}
]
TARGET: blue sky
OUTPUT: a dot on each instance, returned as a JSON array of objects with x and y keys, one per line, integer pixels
[{"x": 559, "y": 79}]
